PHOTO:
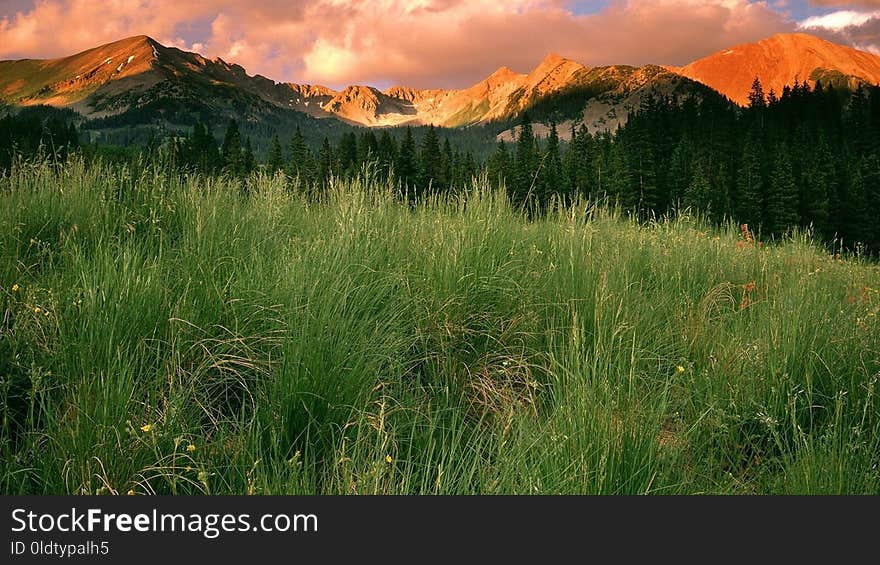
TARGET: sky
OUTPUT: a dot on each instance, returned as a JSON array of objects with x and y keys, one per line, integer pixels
[{"x": 426, "y": 43}]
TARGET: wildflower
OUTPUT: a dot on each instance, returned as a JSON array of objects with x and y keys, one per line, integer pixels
[
  {"x": 37, "y": 310},
  {"x": 388, "y": 459},
  {"x": 146, "y": 428},
  {"x": 190, "y": 448},
  {"x": 130, "y": 492},
  {"x": 15, "y": 287},
  {"x": 680, "y": 369}
]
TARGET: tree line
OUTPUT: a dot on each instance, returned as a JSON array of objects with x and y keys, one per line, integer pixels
[
  {"x": 421, "y": 166},
  {"x": 808, "y": 156},
  {"x": 30, "y": 134},
  {"x": 805, "y": 157}
]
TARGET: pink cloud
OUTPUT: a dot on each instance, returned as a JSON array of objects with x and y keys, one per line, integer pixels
[{"x": 422, "y": 43}]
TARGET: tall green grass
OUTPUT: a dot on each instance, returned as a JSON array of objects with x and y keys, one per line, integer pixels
[{"x": 162, "y": 334}]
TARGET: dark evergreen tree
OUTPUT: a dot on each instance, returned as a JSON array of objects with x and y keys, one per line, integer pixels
[
  {"x": 818, "y": 184},
  {"x": 526, "y": 162},
  {"x": 551, "y": 178},
  {"x": 347, "y": 155},
  {"x": 248, "y": 160},
  {"x": 301, "y": 165},
  {"x": 448, "y": 164},
  {"x": 756, "y": 95},
  {"x": 498, "y": 166},
  {"x": 407, "y": 161},
  {"x": 749, "y": 199},
  {"x": 387, "y": 154},
  {"x": 275, "y": 160},
  {"x": 233, "y": 158},
  {"x": 325, "y": 166},
  {"x": 680, "y": 171},
  {"x": 698, "y": 194},
  {"x": 781, "y": 209},
  {"x": 430, "y": 162}
]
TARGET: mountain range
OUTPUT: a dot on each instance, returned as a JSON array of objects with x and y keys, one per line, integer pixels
[{"x": 138, "y": 80}]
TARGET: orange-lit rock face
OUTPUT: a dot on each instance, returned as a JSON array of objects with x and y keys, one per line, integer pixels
[
  {"x": 105, "y": 79},
  {"x": 63, "y": 82},
  {"x": 778, "y": 61}
]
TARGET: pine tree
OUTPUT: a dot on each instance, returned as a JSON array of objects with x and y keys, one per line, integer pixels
[
  {"x": 819, "y": 182},
  {"x": 233, "y": 159},
  {"x": 857, "y": 222},
  {"x": 275, "y": 159},
  {"x": 248, "y": 160},
  {"x": 526, "y": 162},
  {"x": 367, "y": 148},
  {"x": 620, "y": 178},
  {"x": 781, "y": 211},
  {"x": 301, "y": 164},
  {"x": 447, "y": 167},
  {"x": 698, "y": 194},
  {"x": 347, "y": 155},
  {"x": 325, "y": 166},
  {"x": 407, "y": 165},
  {"x": 870, "y": 171},
  {"x": 680, "y": 171},
  {"x": 387, "y": 154},
  {"x": 722, "y": 188},
  {"x": 498, "y": 165},
  {"x": 756, "y": 95},
  {"x": 469, "y": 169},
  {"x": 551, "y": 173},
  {"x": 750, "y": 184},
  {"x": 430, "y": 162},
  {"x": 573, "y": 165}
]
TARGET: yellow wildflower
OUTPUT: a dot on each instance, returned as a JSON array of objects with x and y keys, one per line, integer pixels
[
  {"x": 15, "y": 287},
  {"x": 190, "y": 448},
  {"x": 388, "y": 459},
  {"x": 146, "y": 428},
  {"x": 680, "y": 369},
  {"x": 130, "y": 492}
]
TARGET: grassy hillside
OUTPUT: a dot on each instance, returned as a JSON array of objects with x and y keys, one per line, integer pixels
[{"x": 166, "y": 335}]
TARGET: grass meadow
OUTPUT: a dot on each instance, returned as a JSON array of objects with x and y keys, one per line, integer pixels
[{"x": 162, "y": 334}]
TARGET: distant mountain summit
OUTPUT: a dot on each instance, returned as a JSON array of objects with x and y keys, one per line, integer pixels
[
  {"x": 67, "y": 82},
  {"x": 779, "y": 61},
  {"x": 129, "y": 74},
  {"x": 139, "y": 79}
]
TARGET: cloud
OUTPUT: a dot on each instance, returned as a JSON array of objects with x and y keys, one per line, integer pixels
[
  {"x": 861, "y": 29},
  {"x": 836, "y": 3},
  {"x": 422, "y": 43},
  {"x": 836, "y": 21}
]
